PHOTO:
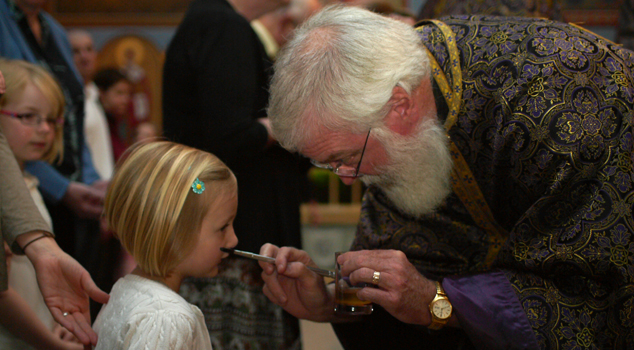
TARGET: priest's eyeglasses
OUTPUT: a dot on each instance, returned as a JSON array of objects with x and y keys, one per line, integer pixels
[{"x": 341, "y": 169}]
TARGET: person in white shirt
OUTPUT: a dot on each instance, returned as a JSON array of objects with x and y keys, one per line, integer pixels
[
  {"x": 172, "y": 207},
  {"x": 96, "y": 129}
]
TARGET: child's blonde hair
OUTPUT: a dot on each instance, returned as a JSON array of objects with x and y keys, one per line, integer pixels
[
  {"x": 152, "y": 207},
  {"x": 17, "y": 75}
]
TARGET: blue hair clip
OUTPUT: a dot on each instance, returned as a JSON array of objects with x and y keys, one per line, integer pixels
[{"x": 198, "y": 186}]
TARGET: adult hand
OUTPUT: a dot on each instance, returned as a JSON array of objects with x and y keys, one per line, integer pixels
[
  {"x": 402, "y": 290},
  {"x": 101, "y": 186},
  {"x": 84, "y": 201},
  {"x": 66, "y": 287},
  {"x": 289, "y": 284}
]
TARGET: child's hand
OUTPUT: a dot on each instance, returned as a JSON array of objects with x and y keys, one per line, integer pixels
[
  {"x": 65, "y": 340},
  {"x": 64, "y": 334}
]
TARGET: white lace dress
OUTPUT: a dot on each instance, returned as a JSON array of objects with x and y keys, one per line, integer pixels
[{"x": 144, "y": 314}]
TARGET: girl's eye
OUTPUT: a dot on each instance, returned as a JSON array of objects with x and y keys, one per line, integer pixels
[{"x": 29, "y": 118}]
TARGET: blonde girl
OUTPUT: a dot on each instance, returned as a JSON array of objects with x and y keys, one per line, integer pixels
[
  {"x": 172, "y": 207},
  {"x": 31, "y": 118}
]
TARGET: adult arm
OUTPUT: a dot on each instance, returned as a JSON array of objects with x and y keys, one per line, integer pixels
[
  {"x": 484, "y": 305},
  {"x": 53, "y": 185},
  {"x": 548, "y": 289},
  {"x": 489, "y": 311},
  {"x": 19, "y": 213},
  {"x": 65, "y": 285},
  {"x": 83, "y": 200},
  {"x": 20, "y": 320}
]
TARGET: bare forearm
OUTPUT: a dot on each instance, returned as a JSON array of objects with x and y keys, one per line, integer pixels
[
  {"x": 25, "y": 238},
  {"x": 21, "y": 321}
]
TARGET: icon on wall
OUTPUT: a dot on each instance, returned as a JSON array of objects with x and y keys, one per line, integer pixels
[{"x": 142, "y": 63}]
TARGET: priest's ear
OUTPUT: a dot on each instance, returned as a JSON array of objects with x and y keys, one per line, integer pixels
[{"x": 403, "y": 115}]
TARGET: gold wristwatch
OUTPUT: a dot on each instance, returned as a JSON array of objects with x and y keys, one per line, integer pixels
[{"x": 440, "y": 309}]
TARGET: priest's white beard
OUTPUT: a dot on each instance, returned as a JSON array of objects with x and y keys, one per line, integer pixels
[{"x": 417, "y": 180}]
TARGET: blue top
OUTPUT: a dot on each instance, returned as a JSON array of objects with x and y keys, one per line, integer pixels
[{"x": 14, "y": 45}]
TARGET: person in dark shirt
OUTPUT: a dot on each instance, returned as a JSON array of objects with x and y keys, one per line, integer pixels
[{"x": 214, "y": 98}]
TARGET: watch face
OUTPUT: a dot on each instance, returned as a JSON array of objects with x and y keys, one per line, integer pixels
[{"x": 442, "y": 309}]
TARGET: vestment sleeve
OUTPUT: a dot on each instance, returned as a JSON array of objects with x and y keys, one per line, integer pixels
[{"x": 489, "y": 311}]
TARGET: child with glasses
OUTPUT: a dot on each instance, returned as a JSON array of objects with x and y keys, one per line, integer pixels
[
  {"x": 172, "y": 207},
  {"x": 31, "y": 118}
]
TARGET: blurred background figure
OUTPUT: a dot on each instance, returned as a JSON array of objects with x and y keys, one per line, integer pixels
[
  {"x": 98, "y": 139},
  {"x": 145, "y": 131},
  {"x": 301, "y": 10},
  {"x": 525, "y": 8},
  {"x": 114, "y": 93},
  {"x": 625, "y": 30},
  {"x": 387, "y": 9},
  {"x": 274, "y": 28},
  {"x": 96, "y": 128},
  {"x": 114, "y": 97},
  {"x": 215, "y": 93},
  {"x": 139, "y": 85}
]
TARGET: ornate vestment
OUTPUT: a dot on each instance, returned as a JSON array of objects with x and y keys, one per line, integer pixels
[{"x": 545, "y": 130}]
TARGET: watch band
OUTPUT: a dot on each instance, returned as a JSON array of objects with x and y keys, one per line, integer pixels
[{"x": 438, "y": 323}]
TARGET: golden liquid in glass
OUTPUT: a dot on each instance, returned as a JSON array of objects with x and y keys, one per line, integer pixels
[{"x": 347, "y": 302}]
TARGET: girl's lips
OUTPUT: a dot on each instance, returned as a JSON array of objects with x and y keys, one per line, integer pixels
[{"x": 39, "y": 144}]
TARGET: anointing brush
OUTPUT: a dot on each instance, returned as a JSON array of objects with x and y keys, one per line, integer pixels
[{"x": 322, "y": 272}]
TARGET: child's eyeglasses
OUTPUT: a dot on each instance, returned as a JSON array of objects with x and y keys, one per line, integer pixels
[{"x": 33, "y": 119}]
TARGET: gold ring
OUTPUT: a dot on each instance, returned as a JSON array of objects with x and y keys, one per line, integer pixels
[
  {"x": 65, "y": 314},
  {"x": 376, "y": 277}
]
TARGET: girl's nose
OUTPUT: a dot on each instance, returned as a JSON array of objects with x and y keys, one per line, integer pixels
[{"x": 45, "y": 126}]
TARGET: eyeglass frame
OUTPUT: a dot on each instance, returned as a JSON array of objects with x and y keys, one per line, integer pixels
[
  {"x": 55, "y": 123},
  {"x": 337, "y": 170}
]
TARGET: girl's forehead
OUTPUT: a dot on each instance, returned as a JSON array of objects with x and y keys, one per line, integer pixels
[
  {"x": 25, "y": 93},
  {"x": 30, "y": 97}
]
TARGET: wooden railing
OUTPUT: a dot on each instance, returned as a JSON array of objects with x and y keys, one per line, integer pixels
[{"x": 334, "y": 212}]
